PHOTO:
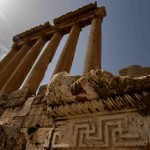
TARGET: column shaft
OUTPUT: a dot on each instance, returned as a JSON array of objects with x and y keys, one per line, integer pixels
[
  {"x": 39, "y": 69},
  {"x": 93, "y": 53},
  {"x": 7, "y": 58},
  {"x": 24, "y": 67},
  {"x": 11, "y": 66},
  {"x": 66, "y": 58}
]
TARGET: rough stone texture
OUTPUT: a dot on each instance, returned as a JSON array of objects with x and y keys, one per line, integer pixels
[
  {"x": 114, "y": 131},
  {"x": 58, "y": 88},
  {"x": 81, "y": 106},
  {"x": 33, "y": 114},
  {"x": 94, "y": 85},
  {"x": 134, "y": 71},
  {"x": 11, "y": 138},
  {"x": 16, "y": 98}
]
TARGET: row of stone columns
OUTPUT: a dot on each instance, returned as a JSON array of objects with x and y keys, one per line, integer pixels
[
  {"x": 19, "y": 64},
  {"x": 19, "y": 74},
  {"x": 9, "y": 68},
  {"x": 39, "y": 69}
]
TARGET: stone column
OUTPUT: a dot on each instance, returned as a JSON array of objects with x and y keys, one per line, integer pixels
[
  {"x": 39, "y": 69},
  {"x": 24, "y": 67},
  {"x": 66, "y": 58},
  {"x": 8, "y": 58},
  {"x": 11, "y": 66},
  {"x": 93, "y": 52}
]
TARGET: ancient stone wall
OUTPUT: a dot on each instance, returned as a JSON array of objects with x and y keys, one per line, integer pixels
[
  {"x": 96, "y": 110},
  {"x": 30, "y": 118}
]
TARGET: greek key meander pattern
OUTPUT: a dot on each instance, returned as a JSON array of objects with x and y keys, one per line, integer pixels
[{"x": 114, "y": 131}]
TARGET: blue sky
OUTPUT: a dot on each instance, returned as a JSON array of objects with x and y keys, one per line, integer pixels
[{"x": 125, "y": 29}]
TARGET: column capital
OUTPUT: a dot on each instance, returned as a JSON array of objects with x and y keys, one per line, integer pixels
[
  {"x": 58, "y": 30},
  {"x": 100, "y": 12},
  {"x": 77, "y": 23}
]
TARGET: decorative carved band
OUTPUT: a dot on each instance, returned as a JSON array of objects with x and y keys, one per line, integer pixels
[
  {"x": 136, "y": 101},
  {"x": 105, "y": 132}
]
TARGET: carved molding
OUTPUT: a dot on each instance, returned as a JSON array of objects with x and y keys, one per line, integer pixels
[
  {"x": 137, "y": 101},
  {"x": 128, "y": 130}
]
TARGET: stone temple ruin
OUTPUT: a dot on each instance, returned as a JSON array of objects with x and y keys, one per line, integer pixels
[{"x": 95, "y": 110}]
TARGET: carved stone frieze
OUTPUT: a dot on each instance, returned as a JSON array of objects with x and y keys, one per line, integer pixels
[{"x": 104, "y": 131}]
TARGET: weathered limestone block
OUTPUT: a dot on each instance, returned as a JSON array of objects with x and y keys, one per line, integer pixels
[
  {"x": 58, "y": 88},
  {"x": 36, "y": 139},
  {"x": 105, "y": 84},
  {"x": 106, "y": 131},
  {"x": 11, "y": 138},
  {"x": 94, "y": 85}
]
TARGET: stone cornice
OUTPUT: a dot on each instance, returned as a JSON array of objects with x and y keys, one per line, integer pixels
[
  {"x": 136, "y": 101},
  {"x": 78, "y": 12},
  {"x": 38, "y": 30}
]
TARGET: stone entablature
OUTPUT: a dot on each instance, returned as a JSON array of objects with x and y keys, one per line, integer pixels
[
  {"x": 84, "y": 15},
  {"x": 32, "y": 32},
  {"x": 64, "y": 23},
  {"x": 78, "y": 12}
]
